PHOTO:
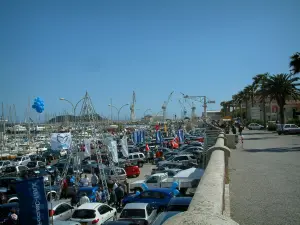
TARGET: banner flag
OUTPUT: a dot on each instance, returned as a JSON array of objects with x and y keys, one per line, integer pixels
[
  {"x": 138, "y": 137},
  {"x": 135, "y": 137},
  {"x": 87, "y": 144},
  {"x": 158, "y": 136},
  {"x": 142, "y": 136},
  {"x": 180, "y": 136},
  {"x": 124, "y": 146},
  {"x": 60, "y": 141},
  {"x": 113, "y": 148},
  {"x": 33, "y": 204}
]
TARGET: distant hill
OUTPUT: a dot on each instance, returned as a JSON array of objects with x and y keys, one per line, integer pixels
[{"x": 70, "y": 118}]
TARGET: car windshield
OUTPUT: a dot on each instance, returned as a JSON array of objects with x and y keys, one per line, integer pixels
[
  {"x": 180, "y": 208},
  {"x": 10, "y": 169},
  {"x": 17, "y": 159},
  {"x": 84, "y": 214},
  {"x": 133, "y": 213},
  {"x": 31, "y": 164}
]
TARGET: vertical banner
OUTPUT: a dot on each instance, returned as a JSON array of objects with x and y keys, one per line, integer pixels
[
  {"x": 112, "y": 147},
  {"x": 87, "y": 144},
  {"x": 32, "y": 202},
  {"x": 158, "y": 136},
  {"x": 142, "y": 136},
  {"x": 180, "y": 134},
  {"x": 138, "y": 136},
  {"x": 124, "y": 146},
  {"x": 60, "y": 141},
  {"x": 135, "y": 137}
]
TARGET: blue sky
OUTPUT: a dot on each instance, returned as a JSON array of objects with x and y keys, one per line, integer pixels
[{"x": 110, "y": 48}]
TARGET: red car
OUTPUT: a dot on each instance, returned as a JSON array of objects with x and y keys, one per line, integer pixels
[{"x": 132, "y": 171}]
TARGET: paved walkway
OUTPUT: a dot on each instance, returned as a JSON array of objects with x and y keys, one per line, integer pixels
[{"x": 265, "y": 179}]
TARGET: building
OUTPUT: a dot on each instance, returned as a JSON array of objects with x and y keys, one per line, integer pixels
[{"x": 213, "y": 115}]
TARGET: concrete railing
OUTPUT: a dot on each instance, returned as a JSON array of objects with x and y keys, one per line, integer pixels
[{"x": 209, "y": 202}]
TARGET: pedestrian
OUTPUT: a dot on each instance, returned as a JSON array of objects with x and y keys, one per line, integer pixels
[
  {"x": 119, "y": 191},
  {"x": 99, "y": 194},
  {"x": 84, "y": 199},
  {"x": 94, "y": 180},
  {"x": 85, "y": 181},
  {"x": 112, "y": 197},
  {"x": 72, "y": 195},
  {"x": 64, "y": 188},
  {"x": 241, "y": 128},
  {"x": 12, "y": 218},
  {"x": 115, "y": 185}
]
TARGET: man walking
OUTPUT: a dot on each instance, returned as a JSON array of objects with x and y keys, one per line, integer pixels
[
  {"x": 120, "y": 195},
  {"x": 94, "y": 180}
]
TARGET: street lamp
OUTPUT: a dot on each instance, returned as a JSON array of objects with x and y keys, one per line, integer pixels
[
  {"x": 73, "y": 107},
  {"x": 118, "y": 109},
  {"x": 146, "y": 111}
]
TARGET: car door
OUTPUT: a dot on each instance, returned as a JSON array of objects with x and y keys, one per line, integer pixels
[
  {"x": 58, "y": 213},
  {"x": 105, "y": 213},
  {"x": 287, "y": 128},
  {"x": 66, "y": 212},
  {"x": 294, "y": 129}
]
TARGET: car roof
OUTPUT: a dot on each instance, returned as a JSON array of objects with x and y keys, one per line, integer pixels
[
  {"x": 180, "y": 201},
  {"x": 91, "y": 205},
  {"x": 161, "y": 218},
  {"x": 136, "y": 205}
]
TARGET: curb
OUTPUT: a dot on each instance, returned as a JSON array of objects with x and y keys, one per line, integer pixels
[{"x": 226, "y": 201}]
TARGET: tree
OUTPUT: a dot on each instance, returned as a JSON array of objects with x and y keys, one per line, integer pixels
[
  {"x": 259, "y": 83},
  {"x": 295, "y": 63},
  {"x": 280, "y": 87}
]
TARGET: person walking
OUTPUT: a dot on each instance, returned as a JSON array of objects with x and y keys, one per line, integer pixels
[
  {"x": 84, "y": 199},
  {"x": 119, "y": 191},
  {"x": 94, "y": 180},
  {"x": 112, "y": 198},
  {"x": 99, "y": 194}
]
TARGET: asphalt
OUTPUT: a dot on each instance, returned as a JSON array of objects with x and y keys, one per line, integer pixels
[{"x": 265, "y": 179}]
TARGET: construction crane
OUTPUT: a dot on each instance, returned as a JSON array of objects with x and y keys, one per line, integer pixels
[
  {"x": 165, "y": 105},
  {"x": 202, "y": 99},
  {"x": 193, "y": 109},
  {"x": 132, "y": 114},
  {"x": 183, "y": 111}
]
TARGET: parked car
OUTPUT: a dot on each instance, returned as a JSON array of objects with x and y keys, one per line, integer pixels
[
  {"x": 4, "y": 164},
  {"x": 255, "y": 126},
  {"x": 35, "y": 164},
  {"x": 141, "y": 213},
  {"x": 94, "y": 213},
  {"x": 21, "y": 160},
  {"x": 288, "y": 129},
  {"x": 185, "y": 159},
  {"x": 159, "y": 197},
  {"x": 18, "y": 170},
  {"x": 164, "y": 216},
  {"x": 179, "y": 204},
  {"x": 60, "y": 210},
  {"x": 136, "y": 159},
  {"x": 132, "y": 171}
]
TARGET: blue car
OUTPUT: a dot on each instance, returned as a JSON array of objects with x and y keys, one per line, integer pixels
[
  {"x": 90, "y": 191},
  {"x": 159, "y": 197}
]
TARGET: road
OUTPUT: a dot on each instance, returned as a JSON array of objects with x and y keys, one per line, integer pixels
[{"x": 265, "y": 179}]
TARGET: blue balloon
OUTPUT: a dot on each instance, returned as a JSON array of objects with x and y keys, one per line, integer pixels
[
  {"x": 175, "y": 185},
  {"x": 38, "y": 105},
  {"x": 176, "y": 192},
  {"x": 144, "y": 186}
]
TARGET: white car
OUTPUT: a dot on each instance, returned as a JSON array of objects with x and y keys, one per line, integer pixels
[
  {"x": 94, "y": 213},
  {"x": 141, "y": 213},
  {"x": 4, "y": 164},
  {"x": 255, "y": 126},
  {"x": 61, "y": 210},
  {"x": 21, "y": 160}
]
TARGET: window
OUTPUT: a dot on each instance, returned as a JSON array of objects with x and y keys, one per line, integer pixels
[
  {"x": 152, "y": 180},
  {"x": 135, "y": 156},
  {"x": 66, "y": 207},
  {"x": 180, "y": 158},
  {"x": 104, "y": 209},
  {"x": 59, "y": 210},
  {"x": 193, "y": 157},
  {"x": 84, "y": 214},
  {"x": 133, "y": 213},
  {"x": 293, "y": 126},
  {"x": 287, "y": 126},
  {"x": 141, "y": 155},
  {"x": 130, "y": 157},
  {"x": 149, "y": 209}
]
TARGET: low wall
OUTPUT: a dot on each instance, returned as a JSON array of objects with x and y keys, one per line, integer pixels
[{"x": 208, "y": 204}]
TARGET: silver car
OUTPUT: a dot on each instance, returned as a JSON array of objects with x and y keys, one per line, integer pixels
[
  {"x": 60, "y": 210},
  {"x": 141, "y": 213}
]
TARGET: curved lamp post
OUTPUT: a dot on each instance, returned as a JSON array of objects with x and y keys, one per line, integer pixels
[
  {"x": 73, "y": 107},
  {"x": 118, "y": 109}
]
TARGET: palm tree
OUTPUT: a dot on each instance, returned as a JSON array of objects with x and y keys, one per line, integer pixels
[
  {"x": 240, "y": 100},
  {"x": 224, "y": 107},
  {"x": 295, "y": 63},
  {"x": 258, "y": 83},
  {"x": 247, "y": 96},
  {"x": 280, "y": 87}
]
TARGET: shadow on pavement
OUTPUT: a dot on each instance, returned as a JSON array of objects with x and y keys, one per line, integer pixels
[
  {"x": 260, "y": 138},
  {"x": 293, "y": 149}
]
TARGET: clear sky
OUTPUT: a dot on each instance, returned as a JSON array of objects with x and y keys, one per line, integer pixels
[{"x": 62, "y": 48}]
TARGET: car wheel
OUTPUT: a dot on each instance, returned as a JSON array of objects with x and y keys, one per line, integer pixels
[
  {"x": 115, "y": 217},
  {"x": 140, "y": 164}
]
